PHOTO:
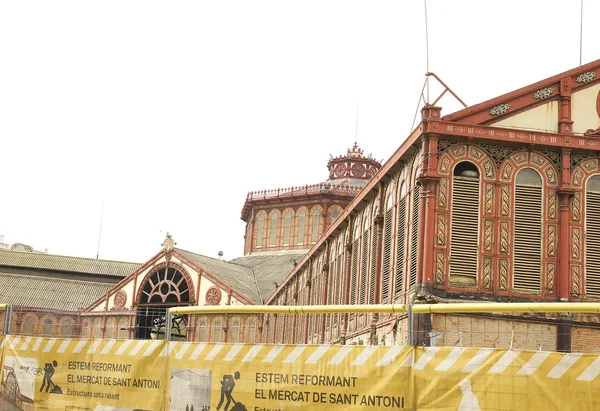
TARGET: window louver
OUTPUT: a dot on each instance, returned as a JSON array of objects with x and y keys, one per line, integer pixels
[
  {"x": 330, "y": 289},
  {"x": 400, "y": 246},
  {"x": 592, "y": 244},
  {"x": 373, "y": 266},
  {"x": 528, "y": 239},
  {"x": 353, "y": 282},
  {"x": 339, "y": 285},
  {"x": 387, "y": 253},
  {"x": 414, "y": 236},
  {"x": 363, "y": 268},
  {"x": 465, "y": 227}
]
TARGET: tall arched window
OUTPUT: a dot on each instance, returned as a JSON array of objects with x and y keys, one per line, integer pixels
[
  {"x": 66, "y": 329},
  {"x": 400, "y": 240},
  {"x": 363, "y": 262},
  {"x": 259, "y": 231},
  {"x": 98, "y": 330},
  {"x": 334, "y": 215},
  {"x": 414, "y": 235},
  {"x": 301, "y": 226},
  {"x": 315, "y": 226},
  {"x": 287, "y": 228},
  {"x": 110, "y": 330},
  {"x": 235, "y": 332},
  {"x": 85, "y": 330},
  {"x": 273, "y": 233},
  {"x": 202, "y": 331},
  {"x": 122, "y": 330},
  {"x": 354, "y": 265},
  {"x": 592, "y": 237},
  {"x": 464, "y": 232},
  {"x": 527, "y": 266},
  {"x": 29, "y": 326},
  {"x": 251, "y": 332},
  {"x": 217, "y": 328},
  {"x": 47, "y": 328},
  {"x": 387, "y": 250}
]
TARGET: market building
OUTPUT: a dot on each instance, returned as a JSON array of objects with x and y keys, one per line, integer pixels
[{"x": 496, "y": 202}]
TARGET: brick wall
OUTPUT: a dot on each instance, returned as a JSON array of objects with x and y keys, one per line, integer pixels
[
  {"x": 585, "y": 339},
  {"x": 466, "y": 331}
]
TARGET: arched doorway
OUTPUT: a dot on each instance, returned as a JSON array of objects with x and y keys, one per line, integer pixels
[{"x": 168, "y": 285}]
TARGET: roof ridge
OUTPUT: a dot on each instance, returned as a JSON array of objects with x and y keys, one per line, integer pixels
[
  {"x": 42, "y": 255},
  {"x": 205, "y": 256},
  {"x": 54, "y": 279}
]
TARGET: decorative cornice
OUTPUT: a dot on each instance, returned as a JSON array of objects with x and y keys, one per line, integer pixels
[
  {"x": 585, "y": 77},
  {"x": 499, "y": 109},
  {"x": 543, "y": 93}
]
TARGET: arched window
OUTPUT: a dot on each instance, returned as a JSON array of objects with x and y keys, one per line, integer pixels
[
  {"x": 400, "y": 240},
  {"x": 122, "y": 330},
  {"x": 85, "y": 330},
  {"x": 527, "y": 273},
  {"x": 363, "y": 262},
  {"x": 315, "y": 226},
  {"x": 47, "y": 328},
  {"x": 235, "y": 332},
  {"x": 97, "y": 330},
  {"x": 29, "y": 326},
  {"x": 202, "y": 331},
  {"x": 354, "y": 264},
  {"x": 592, "y": 237},
  {"x": 287, "y": 228},
  {"x": 251, "y": 332},
  {"x": 334, "y": 215},
  {"x": 165, "y": 285},
  {"x": 66, "y": 329},
  {"x": 387, "y": 250},
  {"x": 273, "y": 233},
  {"x": 464, "y": 233},
  {"x": 217, "y": 327},
  {"x": 260, "y": 228},
  {"x": 301, "y": 226},
  {"x": 110, "y": 330}
]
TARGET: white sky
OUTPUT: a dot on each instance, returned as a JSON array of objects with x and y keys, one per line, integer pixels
[{"x": 169, "y": 113}]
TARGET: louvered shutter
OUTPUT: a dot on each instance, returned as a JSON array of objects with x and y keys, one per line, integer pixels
[
  {"x": 387, "y": 254},
  {"x": 465, "y": 227},
  {"x": 592, "y": 244},
  {"x": 363, "y": 268},
  {"x": 373, "y": 266},
  {"x": 400, "y": 250},
  {"x": 528, "y": 239},
  {"x": 414, "y": 236},
  {"x": 354, "y": 275}
]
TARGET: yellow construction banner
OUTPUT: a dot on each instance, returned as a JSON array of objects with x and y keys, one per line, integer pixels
[
  {"x": 500, "y": 379},
  {"x": 267, "y": 377},
  {"x": 82, "y": 374},
  {"x": 109, "y": 375}
]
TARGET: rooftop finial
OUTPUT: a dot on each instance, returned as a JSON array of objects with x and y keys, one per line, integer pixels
[
  {"x": 169, "y": 243},
  {"x": 356, "y": 131}
]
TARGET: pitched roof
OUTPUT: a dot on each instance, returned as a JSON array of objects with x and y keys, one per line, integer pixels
[
  {"x": 270, "y": 268},
  {"x": 52, "y": 262},
  {"x": 252, "y": 275},
  {"x": 238, "y": 277},
  {"x": 47, "y": 292}
]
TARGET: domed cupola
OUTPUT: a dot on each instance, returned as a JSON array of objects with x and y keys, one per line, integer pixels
[{"x": 353, "y": 168}]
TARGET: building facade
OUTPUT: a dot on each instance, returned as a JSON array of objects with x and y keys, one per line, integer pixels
[{"x": 497, "y": 202}]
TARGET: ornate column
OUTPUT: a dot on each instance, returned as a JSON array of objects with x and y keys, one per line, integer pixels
[
  {"x": 347, "y": 271},
  {"x": 565, "y": 124}
]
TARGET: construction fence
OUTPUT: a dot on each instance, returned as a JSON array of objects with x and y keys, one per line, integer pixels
[{"x": 110, "y": 374}]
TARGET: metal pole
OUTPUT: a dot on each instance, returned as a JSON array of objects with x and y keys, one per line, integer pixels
[
  {"x": 7, "y": 319},
  {"x": 168, "y": 321},
  {"x": 409, "y": 326}
]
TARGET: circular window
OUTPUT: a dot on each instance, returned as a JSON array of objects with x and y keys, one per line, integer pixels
[{"x": 213, "y": 296}]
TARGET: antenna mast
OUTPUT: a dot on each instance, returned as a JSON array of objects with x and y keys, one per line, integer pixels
[
  {"x": 356, "y": 130},
  {"x": 581, "y": 34},
  {"x": 427, "y": 47},
  {"x": 100, "y": 231}
]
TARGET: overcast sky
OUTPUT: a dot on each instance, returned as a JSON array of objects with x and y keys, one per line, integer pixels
[{"x": 169, "y": 113}]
